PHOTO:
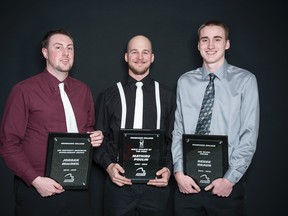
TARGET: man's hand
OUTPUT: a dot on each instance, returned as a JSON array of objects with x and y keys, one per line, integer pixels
[
  {"x": 220, "y": 187},
  {"x": 96, "y": 138},
  {"x": 47, "y": 186},
  {"x": 163, "y": 180},
  {"x": 116, "y": 172},
  {"x": 186, "y": 184}
]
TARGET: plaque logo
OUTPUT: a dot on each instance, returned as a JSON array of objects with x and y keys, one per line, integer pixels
[
  {"x": 69, "y": 178},
  {"x": 140, "y": 171},
  {"x": 141, "y": 143}
]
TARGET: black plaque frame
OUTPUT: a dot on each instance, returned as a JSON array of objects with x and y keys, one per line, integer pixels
[
  {"x": 140, "y": 153},
  {"x": 69, "y": 158},
  {"x": 205, "y": 157}
]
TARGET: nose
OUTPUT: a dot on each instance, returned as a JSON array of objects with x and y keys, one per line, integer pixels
[
  {"x": 210, "y": 45},
  {"x": 65, "y": 52}
]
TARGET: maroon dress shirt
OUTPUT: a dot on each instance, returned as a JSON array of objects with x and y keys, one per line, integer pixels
[{"x": 34, "y": 108}]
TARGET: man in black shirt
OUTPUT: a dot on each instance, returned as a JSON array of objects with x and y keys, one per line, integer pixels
[{"x": 121, "y": 197}]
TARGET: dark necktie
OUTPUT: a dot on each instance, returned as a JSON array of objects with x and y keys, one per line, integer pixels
[{"x": 204, "y": 120}]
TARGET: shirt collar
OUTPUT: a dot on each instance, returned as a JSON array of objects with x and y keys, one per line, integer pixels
[
  {"x": 219, "y": 72},
  {"x": 54, "y": 82},
  {"x": 146, "y": 81}
]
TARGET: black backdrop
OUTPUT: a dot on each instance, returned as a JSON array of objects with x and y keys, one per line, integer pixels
[{"x": 101, "y": 29}]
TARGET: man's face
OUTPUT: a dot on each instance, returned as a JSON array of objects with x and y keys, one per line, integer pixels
[
  {"x": 59, "y": 53},
  {"x": 139, "y": 56},
  {"x": 212, "y": 44}
]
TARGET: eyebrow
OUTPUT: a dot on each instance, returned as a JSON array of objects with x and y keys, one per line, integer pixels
[
  {"x": 206, "y": 37},
  {"x": 59, "y": 43},
  {"x": 146, "y": 50}
]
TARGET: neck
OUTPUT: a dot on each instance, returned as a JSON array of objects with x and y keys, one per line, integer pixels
[
  {"x": 60, "y": 75},
  {"x": 138, "y": 77}
]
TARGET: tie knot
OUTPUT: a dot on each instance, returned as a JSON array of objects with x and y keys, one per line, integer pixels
[
  {"x": 212, "y": 76},
  {"x": 139, "y": 84},
  {"x": 61, "y": 85}
]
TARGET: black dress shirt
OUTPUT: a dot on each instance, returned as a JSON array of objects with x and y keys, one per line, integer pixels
[{"x": 110, "y": 113}]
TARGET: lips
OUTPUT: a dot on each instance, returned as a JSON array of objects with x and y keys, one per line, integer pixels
[
  {"x": 65, "y": 60},
  {"x": 211, "y": 52}
]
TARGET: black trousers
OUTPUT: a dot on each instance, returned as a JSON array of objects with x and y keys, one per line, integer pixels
[
  {"x": 69, "y": 203},
  {"x": 207, "y": 204},
  {"x": 96, "y": 189},
  {"x": 138, "y": 199}
]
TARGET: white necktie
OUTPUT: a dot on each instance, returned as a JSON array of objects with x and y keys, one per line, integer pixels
[
  {"x": 69, "y": 114},
  {"x": 138, "y": 114}
]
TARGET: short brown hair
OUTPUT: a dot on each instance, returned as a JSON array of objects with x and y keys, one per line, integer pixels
[
  {"x": 216, "y": 23},
  {"x": 49, "y": 34}
]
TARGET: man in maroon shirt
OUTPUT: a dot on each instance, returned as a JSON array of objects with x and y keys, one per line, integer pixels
[{"x": 34, "y": 108}]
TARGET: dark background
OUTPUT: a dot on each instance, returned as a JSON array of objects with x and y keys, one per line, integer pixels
[{"x": 101, "y": 29}]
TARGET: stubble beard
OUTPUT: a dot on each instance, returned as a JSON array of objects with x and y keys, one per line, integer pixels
[
  {"x": 65, "y": 69},
  {"x": 138, "y": 71}
]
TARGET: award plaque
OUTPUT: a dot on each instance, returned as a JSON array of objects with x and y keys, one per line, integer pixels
[
  {"x": 69, "y": 156},
  {"x": 205, "y": 157},
  {"x": 140, "y": 153}
]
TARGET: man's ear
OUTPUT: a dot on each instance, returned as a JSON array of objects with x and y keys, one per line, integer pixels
[
  {"x": 227, "y": 45},
  {"x": 45, "y": 53},
  {"x": 152, "y": 58}
]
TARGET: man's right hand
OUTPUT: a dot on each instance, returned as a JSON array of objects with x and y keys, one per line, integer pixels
[
  {"x": 116, "y": 172},
  {"x": 186, "y": 184},
  {"x": 47, "y": 186}
]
